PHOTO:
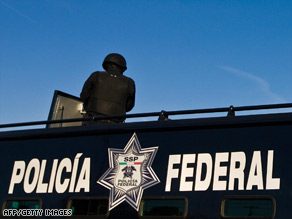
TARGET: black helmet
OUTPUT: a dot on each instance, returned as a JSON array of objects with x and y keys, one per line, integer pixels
[{"x": 116, "y": 59}]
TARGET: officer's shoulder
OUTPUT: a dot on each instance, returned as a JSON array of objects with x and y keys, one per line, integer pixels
[
  {"x": 97, "y": 73},
  {"x": 129, "y": 79}
]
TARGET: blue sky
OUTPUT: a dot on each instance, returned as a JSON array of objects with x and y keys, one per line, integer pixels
[{"x": 182, "y": 54}]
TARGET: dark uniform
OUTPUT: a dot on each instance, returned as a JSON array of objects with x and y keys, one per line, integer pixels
[{"x": 109, "y": 93}]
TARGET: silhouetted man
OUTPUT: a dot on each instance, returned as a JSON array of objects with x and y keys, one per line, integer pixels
[{"x": 109, "y": 93}]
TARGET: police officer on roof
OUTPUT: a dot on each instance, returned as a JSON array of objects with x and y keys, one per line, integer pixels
[{"x": 109, "y": 93}]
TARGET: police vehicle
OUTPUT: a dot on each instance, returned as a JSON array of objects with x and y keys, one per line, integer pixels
[{"x": 227, "y": 166}]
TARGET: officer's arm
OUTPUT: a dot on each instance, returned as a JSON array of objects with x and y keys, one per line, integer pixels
[
  {"x": 87, "y": 87},
  {"x": 131, "y": 95}
]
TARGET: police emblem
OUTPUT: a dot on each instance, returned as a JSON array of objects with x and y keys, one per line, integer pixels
[{"x": 129, "y": 173}]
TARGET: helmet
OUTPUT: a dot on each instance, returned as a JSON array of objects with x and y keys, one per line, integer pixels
[{"x": 116, "y": 59}]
